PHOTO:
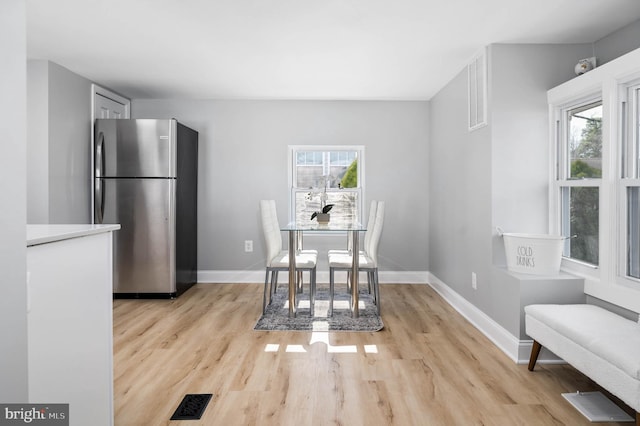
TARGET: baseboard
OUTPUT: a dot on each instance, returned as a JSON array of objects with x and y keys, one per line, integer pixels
[
  {"x": 545, "y": 356},
  {"x": 226, "y": 277},
  {"x": 402, "y": 277},
  {"x": 516, "y": 349},
  {"x": 257, "y": 276},
  {"x": 504, "y": 340}
]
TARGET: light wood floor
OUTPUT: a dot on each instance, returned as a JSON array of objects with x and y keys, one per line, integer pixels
[{"x": 428, "y": 366}]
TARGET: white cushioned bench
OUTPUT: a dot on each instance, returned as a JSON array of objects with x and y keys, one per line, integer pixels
[{"x": 600, "y": 344}]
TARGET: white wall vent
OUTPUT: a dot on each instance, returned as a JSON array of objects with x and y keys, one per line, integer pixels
[{"x": 477, "y": 96}]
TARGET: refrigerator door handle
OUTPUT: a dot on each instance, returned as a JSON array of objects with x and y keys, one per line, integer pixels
[{"x": 99, "y": 190}]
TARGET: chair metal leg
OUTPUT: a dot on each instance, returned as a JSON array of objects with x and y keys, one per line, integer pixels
[
  {"x": 376, "y": 290},
  {"x": 267, "y": 287},
  {"x": 312, "y": 291},
  {"x": 371, "y": 283},
  {"x": 274, "y": 282},
  {"x": 331, "y": 273}
]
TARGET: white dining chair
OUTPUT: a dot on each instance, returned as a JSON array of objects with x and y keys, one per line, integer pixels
[
  {"x": 367, "y": 235},
  {"x": 367, "y": 259},
  {"x": 367, "y": 238},
  {"x": 278, "y": 259}
]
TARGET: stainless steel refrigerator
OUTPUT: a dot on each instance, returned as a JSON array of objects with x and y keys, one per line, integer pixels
[{"x": 146, "y": 179}]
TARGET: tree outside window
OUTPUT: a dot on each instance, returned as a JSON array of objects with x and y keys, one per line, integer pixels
[{"x": 581, "y": 212}]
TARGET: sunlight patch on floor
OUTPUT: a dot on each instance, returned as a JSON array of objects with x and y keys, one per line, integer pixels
[
  {"x": 320, "y": 335},
  {"x": 272, "y": 347},
  {"x": 346, "y": 304},
  {"x": 295, "y": 349},
  {"x": 303, "y": 304},
  {"x": 371, "y": 349}
]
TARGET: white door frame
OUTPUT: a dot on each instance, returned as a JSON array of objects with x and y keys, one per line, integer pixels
[{"x": 98, "y": 90}]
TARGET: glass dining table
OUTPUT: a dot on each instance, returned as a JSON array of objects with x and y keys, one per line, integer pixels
[{"x": 296, "y": 230}]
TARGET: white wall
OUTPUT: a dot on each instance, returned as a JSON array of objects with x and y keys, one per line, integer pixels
[
  {"x": 243, "y": 158},
  {"x": 13, "y": 127}
]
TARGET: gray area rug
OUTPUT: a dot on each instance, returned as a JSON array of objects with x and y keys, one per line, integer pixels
[{"x": 277, "y": 318}]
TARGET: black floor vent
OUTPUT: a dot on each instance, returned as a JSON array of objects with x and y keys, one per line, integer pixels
[{"x": 192, "y": 406}]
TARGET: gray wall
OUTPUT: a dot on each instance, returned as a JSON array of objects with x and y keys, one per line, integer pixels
[
  {"x": 13, "y": 178},
  {"x": 446, "y": 189},
  {"x": 617, "y": 43},
  {"x": 494, "y": 176},
  {"x": 498, "y": 175},
  {"x": 459, "y": 192},
  {"x": 519, "y": 133},
  {"x": 59, "y": 157},
  {"x": 38, "y": 142},
  {"x": 243, "y": 158},
  {"x": 520, "y": 155}
]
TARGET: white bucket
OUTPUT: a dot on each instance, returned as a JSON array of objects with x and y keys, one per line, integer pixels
[{"x": 537, "y": 254}]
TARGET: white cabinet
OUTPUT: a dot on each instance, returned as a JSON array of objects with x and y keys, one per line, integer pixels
[{"x": 70, "y": 327}]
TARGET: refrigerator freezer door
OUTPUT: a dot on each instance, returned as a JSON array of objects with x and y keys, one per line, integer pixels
[
  {"x": 135, "y": 148},
  {"x": 144, "y": 248}
]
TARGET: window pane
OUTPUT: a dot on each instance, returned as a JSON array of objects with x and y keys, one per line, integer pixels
[
  {"x": 333, "y": 171},
  {"x": 308, "y": 176},
  {"x": 580, "y": 215},
  {"x": 633, "y": 232},
  {"x": 585, "y": 142},
  {"x": 345, "y": 205},
  {"x": 309, "y": 158},
  {"x": 342, "y": 158},
  {"x": 330, "y": 169}
]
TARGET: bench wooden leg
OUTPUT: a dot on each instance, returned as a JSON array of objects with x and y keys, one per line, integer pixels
[
  {"x": 535, "y": 351},
  {"x": 637, "y": 418}
]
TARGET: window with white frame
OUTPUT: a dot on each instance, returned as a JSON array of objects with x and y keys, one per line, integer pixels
[
  {"x": 599, "y": 111},
  {"x": 579, "y": 169},
  {"x": 629, "y": 182},
  {"x": 322, "y": 175}
]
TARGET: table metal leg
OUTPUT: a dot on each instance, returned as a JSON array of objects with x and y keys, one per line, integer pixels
[
  {"x": 355, "y": 261},
  {"x": 292, "y": 274}
]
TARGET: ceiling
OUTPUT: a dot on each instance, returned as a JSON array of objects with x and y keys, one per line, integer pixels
[{"x": 298, "y": 49}]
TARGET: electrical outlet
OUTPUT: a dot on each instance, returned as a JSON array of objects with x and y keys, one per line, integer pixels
[
  {"x": 248, "y": 246},
  {"x": 474, "y": 281}
]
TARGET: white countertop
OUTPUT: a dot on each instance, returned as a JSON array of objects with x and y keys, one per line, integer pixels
[{"x": 42, "y": 234}]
